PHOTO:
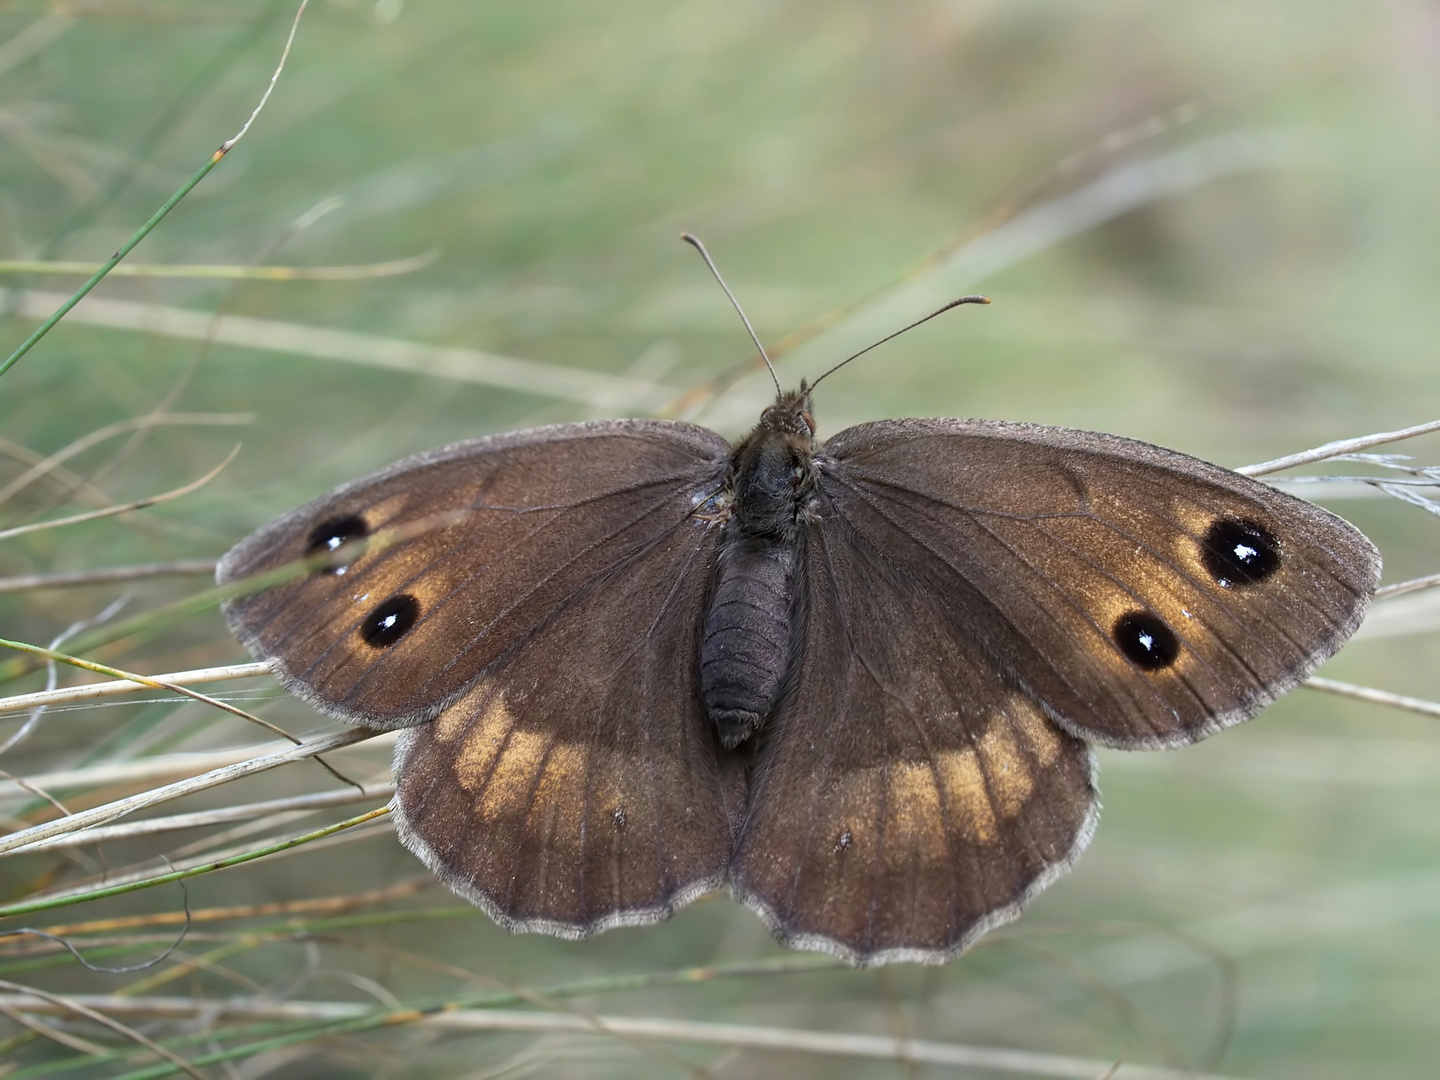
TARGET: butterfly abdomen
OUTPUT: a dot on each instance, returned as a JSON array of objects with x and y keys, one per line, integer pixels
[{"x": 746, "y": 649}]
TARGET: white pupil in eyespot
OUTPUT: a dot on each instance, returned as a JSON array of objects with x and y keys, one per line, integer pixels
[
  {"x": 1244, "y": 552},
  {"x": 1147, "y": 641},
  {"x": 388, "y": 621}
]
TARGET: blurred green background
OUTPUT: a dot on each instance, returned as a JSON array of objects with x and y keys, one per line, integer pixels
[{"x": 1210, "y": 225}]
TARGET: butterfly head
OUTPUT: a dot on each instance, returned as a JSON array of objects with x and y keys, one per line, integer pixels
[{"x": 790, "y": 415}]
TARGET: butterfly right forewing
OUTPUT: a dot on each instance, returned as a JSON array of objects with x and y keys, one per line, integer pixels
[{"x": 1143, "y": 597}]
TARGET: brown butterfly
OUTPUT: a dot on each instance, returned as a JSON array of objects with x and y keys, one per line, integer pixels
[{"x": 850, "y": 681}]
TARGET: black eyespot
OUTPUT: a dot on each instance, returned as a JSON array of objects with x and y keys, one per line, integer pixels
[
  {"x": 843, "y": 842},
  {"x": 334, "y": 534},
  {"x": 1239, "y": 552},
  {"x": 1146, "y": 640},
  {"x": 391, "y": 621},
  {"x": 618, "y": 817}
]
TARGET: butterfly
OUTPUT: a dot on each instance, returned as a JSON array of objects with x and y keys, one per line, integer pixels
[{"x": 854, "y": 682}]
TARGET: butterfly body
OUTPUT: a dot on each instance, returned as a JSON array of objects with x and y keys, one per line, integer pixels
[
  {"x": 853, "y": 682},
  {"x": 754, "y": 618}
]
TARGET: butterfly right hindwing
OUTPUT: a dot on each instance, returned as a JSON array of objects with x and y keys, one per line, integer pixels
[{"x": 907, "y": 800}]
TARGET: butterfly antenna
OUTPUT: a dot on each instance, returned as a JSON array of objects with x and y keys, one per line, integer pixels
[
  {"x": 694, "y": 241},
  {"x": 939, "y": 311}
]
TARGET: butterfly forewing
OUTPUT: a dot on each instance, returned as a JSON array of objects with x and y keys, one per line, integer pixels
[
  {"x": 475, "y": 546},
  {"x": 909, "y": 799},
  {"x": 1145, "y": 598}
]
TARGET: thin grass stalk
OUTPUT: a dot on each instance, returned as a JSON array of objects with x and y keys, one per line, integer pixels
[
  {"x": 27, "y": 907},
  {"x": 157, "y": 217},
  {"x": 343, "y": 1018}
]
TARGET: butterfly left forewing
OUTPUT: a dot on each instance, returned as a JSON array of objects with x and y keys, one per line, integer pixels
[
  {"x": 473, "y": 547},
  {"x": 907, "y": 799}
]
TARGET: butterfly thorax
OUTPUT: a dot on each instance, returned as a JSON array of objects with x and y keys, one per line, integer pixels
[{"x": 753, "y": 620}]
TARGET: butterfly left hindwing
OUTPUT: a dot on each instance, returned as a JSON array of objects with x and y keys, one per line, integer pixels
[{"x": 576, "y": 786}]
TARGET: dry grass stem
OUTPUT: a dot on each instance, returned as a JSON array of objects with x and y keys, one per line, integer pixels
[
  {"x": 64, "y": 1003},
  {"x": 1429, "y": 581},
  {"x": 91, "y": 691},
  {"x": 45, "y": 1031},
  {"x": 917, "y": 1052},
  {"x": 253, "y": 763},
  {"x": 1376, "y": 697},
  {"x": 156, "y": 684},
  {"x": 140, "y": 770},
  {"x": 324, "y": 905},
  {"x": 123, "y": 427},
  {"x": 72, "y": 484},
  {"x": 125, "y": 508},
  {"x": 1335, "y": 449},
  {"x": 106, "y": 575},
  {"x": 358, "y": 272},
  {"x": 187, "y": 862},
  {"x": 395, "y": 354},
  {"x": 319, "y": 800},
  {"x": 229, "y": 144}
]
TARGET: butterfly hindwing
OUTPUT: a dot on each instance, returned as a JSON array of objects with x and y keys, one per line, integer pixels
[
  {"x": 907, "y": 799},
  {"x": 1144, "y": 597},
  {"x": 577, "y": 787}
]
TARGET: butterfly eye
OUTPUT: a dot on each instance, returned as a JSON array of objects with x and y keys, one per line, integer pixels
[
  {"x": 1146, "y": 640},
  {"x": 809, "y": 420},
  {"x": 332, "y": 535},
  {"x": 391, "y": 621},
  {"x": 1237, "y": 551}
]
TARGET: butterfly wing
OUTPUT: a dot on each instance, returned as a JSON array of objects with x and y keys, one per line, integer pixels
[
  {"x": 908, "y": 799},
  {"x": 1143, "y": 597},
  {"x": 981, "y": 597},
  {"x": 544, "y": 603},
  {"x": 576, "y": 787},
  {"x": 476, "y": 546}
]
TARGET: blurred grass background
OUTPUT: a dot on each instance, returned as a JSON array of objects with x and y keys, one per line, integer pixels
[{"x": 1278, "y": 294}]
